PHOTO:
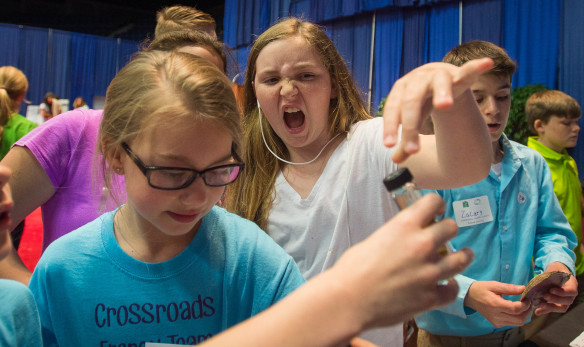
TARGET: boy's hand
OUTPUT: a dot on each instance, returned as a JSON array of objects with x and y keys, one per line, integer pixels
[
  {"x": 413, "y": 96},
  {"x": 486, "y": 298},
  {"x": 558, "y": 299}
]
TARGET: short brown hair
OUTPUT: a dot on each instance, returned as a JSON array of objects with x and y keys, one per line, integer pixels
[
  {"x": 178, "y": 18},
  {"x": 477, "y": 49},
  {"x": 547, "y": 103}
]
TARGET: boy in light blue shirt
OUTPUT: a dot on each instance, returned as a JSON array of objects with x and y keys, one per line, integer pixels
[{"x": 508, "y": 219}]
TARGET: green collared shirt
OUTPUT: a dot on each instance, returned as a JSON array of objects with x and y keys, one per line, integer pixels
[{"x": 567, "y": 189}]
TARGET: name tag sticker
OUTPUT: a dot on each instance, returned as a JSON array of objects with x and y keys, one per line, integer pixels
[{"x": 472, "y": 211}]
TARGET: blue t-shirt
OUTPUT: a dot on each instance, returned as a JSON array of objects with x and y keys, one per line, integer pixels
[
  {"x": 91, "y": 293},
  {"x": 19, "y": 318},
  {"x": 518, "y": 220}
]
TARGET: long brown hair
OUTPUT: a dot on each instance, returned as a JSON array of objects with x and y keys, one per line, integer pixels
[{"x": 252, "y": 195}]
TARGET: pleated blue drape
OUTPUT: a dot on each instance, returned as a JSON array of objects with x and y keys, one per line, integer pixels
[
  {"x": 571, "y": 63},
  {"x": 9, "y": 40},
  {"x": 32, "y": 60},
  {"x": 388, "y": 52},
  {"x": 531, "y": 35},
  {"x": 106, "y": 59},
  {"x": 58, "y": 72},
  {"x": 482, "y": 20},
  {"x": 83, "y": 49},
  {"x": 442, "y": 31},
  {"x": 66, "y": 63},
  {"x": 352, "y": 39}
]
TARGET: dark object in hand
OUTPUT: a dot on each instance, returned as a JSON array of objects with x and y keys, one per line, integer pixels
[{"x": 541, "y": 284}]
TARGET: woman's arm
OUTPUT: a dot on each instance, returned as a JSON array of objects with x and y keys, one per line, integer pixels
[
  {"x": 31, "y": 187},
  {"x": 30, "y": 184},
  {"x": 386, "y": 279}
]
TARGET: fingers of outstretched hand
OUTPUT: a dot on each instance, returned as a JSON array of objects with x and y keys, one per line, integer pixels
[
  {"x": 424, "y": 211},
  {"x": 392, "y": 114},
  {"x": 469, "y": 72},
  {"x": 454, "y": 263},
  {"x": 409, "y": 99}
]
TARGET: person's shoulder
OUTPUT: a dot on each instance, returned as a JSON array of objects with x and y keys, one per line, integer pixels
[
  {"x": 9, "y": 286},
  {"x": 21, "y": 121},
  {"x": 72, "y": 125},
  {"x": 366, "y": 125},
  {"x": 15, "y": 294},
  {"x": 532, "y": 160},
  {"x": 236, "y": 230},
  {"x": 82, "y": 239},
  {"x": 218, "y": 216},
  {"x": 79, "y": 116}
]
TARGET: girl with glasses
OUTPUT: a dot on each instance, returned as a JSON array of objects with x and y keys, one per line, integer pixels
[
  {"x": 169, "y": 265},
  {"x": 73, "y": 195}
]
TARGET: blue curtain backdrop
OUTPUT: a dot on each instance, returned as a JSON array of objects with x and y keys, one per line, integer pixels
[
  {"x": 531, "y": 33},
  {"x": 571, "y": 63},
  {"x": 9, "y": 39},
  {"x": 32, "y": 60},
  {"x": 83, "y": 49},
  {"x": 68, "y": 64},
  {"x": 58, "y": 74},
  {"x": 387, "y": 57}
]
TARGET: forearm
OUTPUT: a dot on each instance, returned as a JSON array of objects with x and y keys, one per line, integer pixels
[
  {"x": 30, "y": 184},
  {"x": 317, "y": 314},
  {"x": 463, "y": 151}
]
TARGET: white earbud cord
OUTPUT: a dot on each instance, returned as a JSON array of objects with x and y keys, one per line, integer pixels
[{"x": 275, "y": 155}]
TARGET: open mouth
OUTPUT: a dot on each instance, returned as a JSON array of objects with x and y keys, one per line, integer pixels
[
  {"x": 493, "y": 126},
  {"x": 294, "y": 118}
]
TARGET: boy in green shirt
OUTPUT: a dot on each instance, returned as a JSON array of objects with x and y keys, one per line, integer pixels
[{"x": 553, "y": 116}]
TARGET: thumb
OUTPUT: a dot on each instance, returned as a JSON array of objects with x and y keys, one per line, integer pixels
[{"x": 507, "y": 289}]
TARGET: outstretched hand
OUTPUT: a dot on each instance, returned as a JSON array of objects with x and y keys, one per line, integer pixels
[
  {"x": 486, "y": 298},
  {"x": 434, "y": 85},
  {"x": 394, "y": 274}
]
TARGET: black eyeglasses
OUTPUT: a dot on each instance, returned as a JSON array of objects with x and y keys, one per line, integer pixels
[{"x": 174, "y": 178}]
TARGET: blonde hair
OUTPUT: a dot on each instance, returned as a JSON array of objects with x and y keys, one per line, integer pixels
[
  {"x": 177, "y": 39},
  {"x": 252, "y": 195},
  {"x": 79, "y": 102},
  {"x": 157, "y": 88},
  {"x": 178, "y": 18},
  {"x": 547, "y": 103},
  {"x": 13, "y": 86}
]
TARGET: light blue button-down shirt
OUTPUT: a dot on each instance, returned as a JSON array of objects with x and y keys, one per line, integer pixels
[{"x": 528, "y": 223}]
